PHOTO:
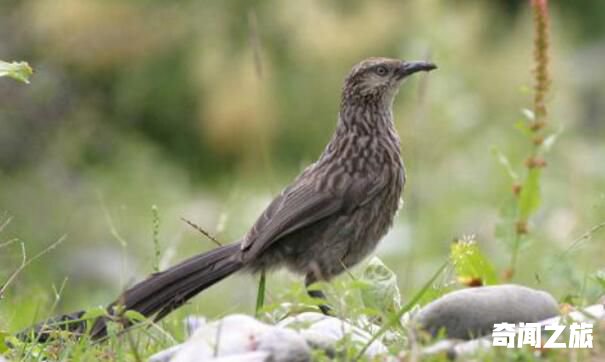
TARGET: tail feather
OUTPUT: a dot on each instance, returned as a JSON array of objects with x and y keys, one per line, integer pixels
[
  {"x": 156, "y": 296},
  {"x": 166, "y": 289}
]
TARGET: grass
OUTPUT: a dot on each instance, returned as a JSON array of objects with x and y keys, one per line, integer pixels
[{"x": 147, "y": 338}]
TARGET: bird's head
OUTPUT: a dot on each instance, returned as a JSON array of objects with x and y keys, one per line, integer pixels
[{"x": 378, "y": 79}]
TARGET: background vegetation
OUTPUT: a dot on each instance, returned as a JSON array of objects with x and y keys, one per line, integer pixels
[{"x": 205, "y": 109}]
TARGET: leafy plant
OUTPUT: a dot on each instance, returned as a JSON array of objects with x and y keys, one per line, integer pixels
[
  {"x": 526, "y": 198},
  {"x": 380, "y": 290},
  {"x": 471, "y": 266}
]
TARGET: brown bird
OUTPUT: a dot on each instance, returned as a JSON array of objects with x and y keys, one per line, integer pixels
[{"x": 331, "y": 216}]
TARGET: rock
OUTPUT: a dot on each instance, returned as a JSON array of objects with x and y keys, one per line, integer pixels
[
  {"x": 258, "y": 356},
  {"x": 165, "y": 355},
  {"x": 454, "y": 348},
  {"x": 472, "y": 312},
  {"x": 239, "y": 338},
  {"x": 589, "y": 314},
  {"x": 465, "y": 350},
  {"x": 323, "y": 332},
  {"x": 243, "y": 338}
]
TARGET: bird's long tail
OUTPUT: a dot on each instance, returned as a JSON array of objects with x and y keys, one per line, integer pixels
[{"x": 155, "y": 296}]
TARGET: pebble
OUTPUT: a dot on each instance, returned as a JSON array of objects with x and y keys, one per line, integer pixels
[
  {"x": 472, "y": 312},
  {"x": 238, "y": 337},
  {"x": 323, "y": 332},
  {"x": 465, "y": 350}
]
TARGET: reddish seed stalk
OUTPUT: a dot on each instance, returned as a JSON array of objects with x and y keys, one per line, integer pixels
[
  {"x": 542, "y": 79},
  {"x": 537, "y": 125}
]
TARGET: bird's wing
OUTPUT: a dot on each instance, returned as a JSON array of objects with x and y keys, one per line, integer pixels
[
  {"x": 302, "y": 204},
  {"x": 298, "y": 206}
]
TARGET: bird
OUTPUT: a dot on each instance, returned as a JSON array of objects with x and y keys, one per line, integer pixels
[{"x": 327, "y": 220}]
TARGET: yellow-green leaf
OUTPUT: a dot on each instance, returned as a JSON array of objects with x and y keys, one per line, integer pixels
[
  {"x": 529, "y": 199},
  {"x": 505, "y": 163},
  {"x": 20, "y": 71},
  {"x": 3, "y": 336},
  {"x": 470, "y": 264}
]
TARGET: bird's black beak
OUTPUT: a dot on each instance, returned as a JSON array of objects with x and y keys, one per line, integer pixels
[{"x": 408, "y": 68}]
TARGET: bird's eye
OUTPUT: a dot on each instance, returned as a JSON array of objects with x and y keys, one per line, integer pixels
[{"x": 381, "y": 71}]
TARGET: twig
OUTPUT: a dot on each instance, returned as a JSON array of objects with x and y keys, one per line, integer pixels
[
  {"x": 25, "y": 262},
  {"x": 58, "y": 292},
  {"x": 346, "y": 269},
  {"x": 8, "y": 242},
  {"x": 112, "y": 227},
  {"x": 201, "y": 230},
  {"x": 5, "y": 223},
  {"x": 156, "y": 238},
  {"x": 255, "y": 42},
  {"x": 587, "y": 235}
]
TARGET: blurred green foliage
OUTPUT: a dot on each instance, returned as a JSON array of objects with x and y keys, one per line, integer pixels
[{"x": 141, "y": 103}]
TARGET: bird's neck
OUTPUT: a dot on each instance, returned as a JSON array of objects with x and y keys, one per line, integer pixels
[
  {"x": 367, "y": 119},
  {"x": 369, "y": 127}
]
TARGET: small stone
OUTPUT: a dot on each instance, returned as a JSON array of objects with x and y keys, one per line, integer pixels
[
  {"x": 164, "y": 355},
  {"x": 465, "y": 350},
  {"x": 238, "y": 338},
  {"x": 472, "y": 312},
  {"x": 324, "y": 332}
]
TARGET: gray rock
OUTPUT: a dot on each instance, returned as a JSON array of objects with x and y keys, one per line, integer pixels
[
  {"x": 323, "y": 332},
  {"x": 238, "y": 338},
  {"x": 589, "y": 314},
  {"x": 465, "y": 350},
  {"x": 165, "y": 355},
  {"x": 472, "y": 312},
  {"x": 258, "y": 356}
]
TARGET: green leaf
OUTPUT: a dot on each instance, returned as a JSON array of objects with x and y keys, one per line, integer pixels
[
  {"x": 501, "y": 157},
  {"x": 549, "y": 141},
  {"x": 470, "y": 264},
  {"x": 134, "y": 316},
  {"x": 91, "y": 315},
  {"x": 599, "y": 276},
  {"x": 528, "y": 114},
  {"x": 522, "y": 126},
  {"x": 380, "y": 291},
  {"x": 260, "y": 294},
  {"x": 20, "y": 71},
  {"x": 529, "y": 198},
  {"x": 3, "y": 337},
  {"x": 94, "y": 313}
]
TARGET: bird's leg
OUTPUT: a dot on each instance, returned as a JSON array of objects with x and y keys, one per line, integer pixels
[{"x": 310, "y": 278}]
